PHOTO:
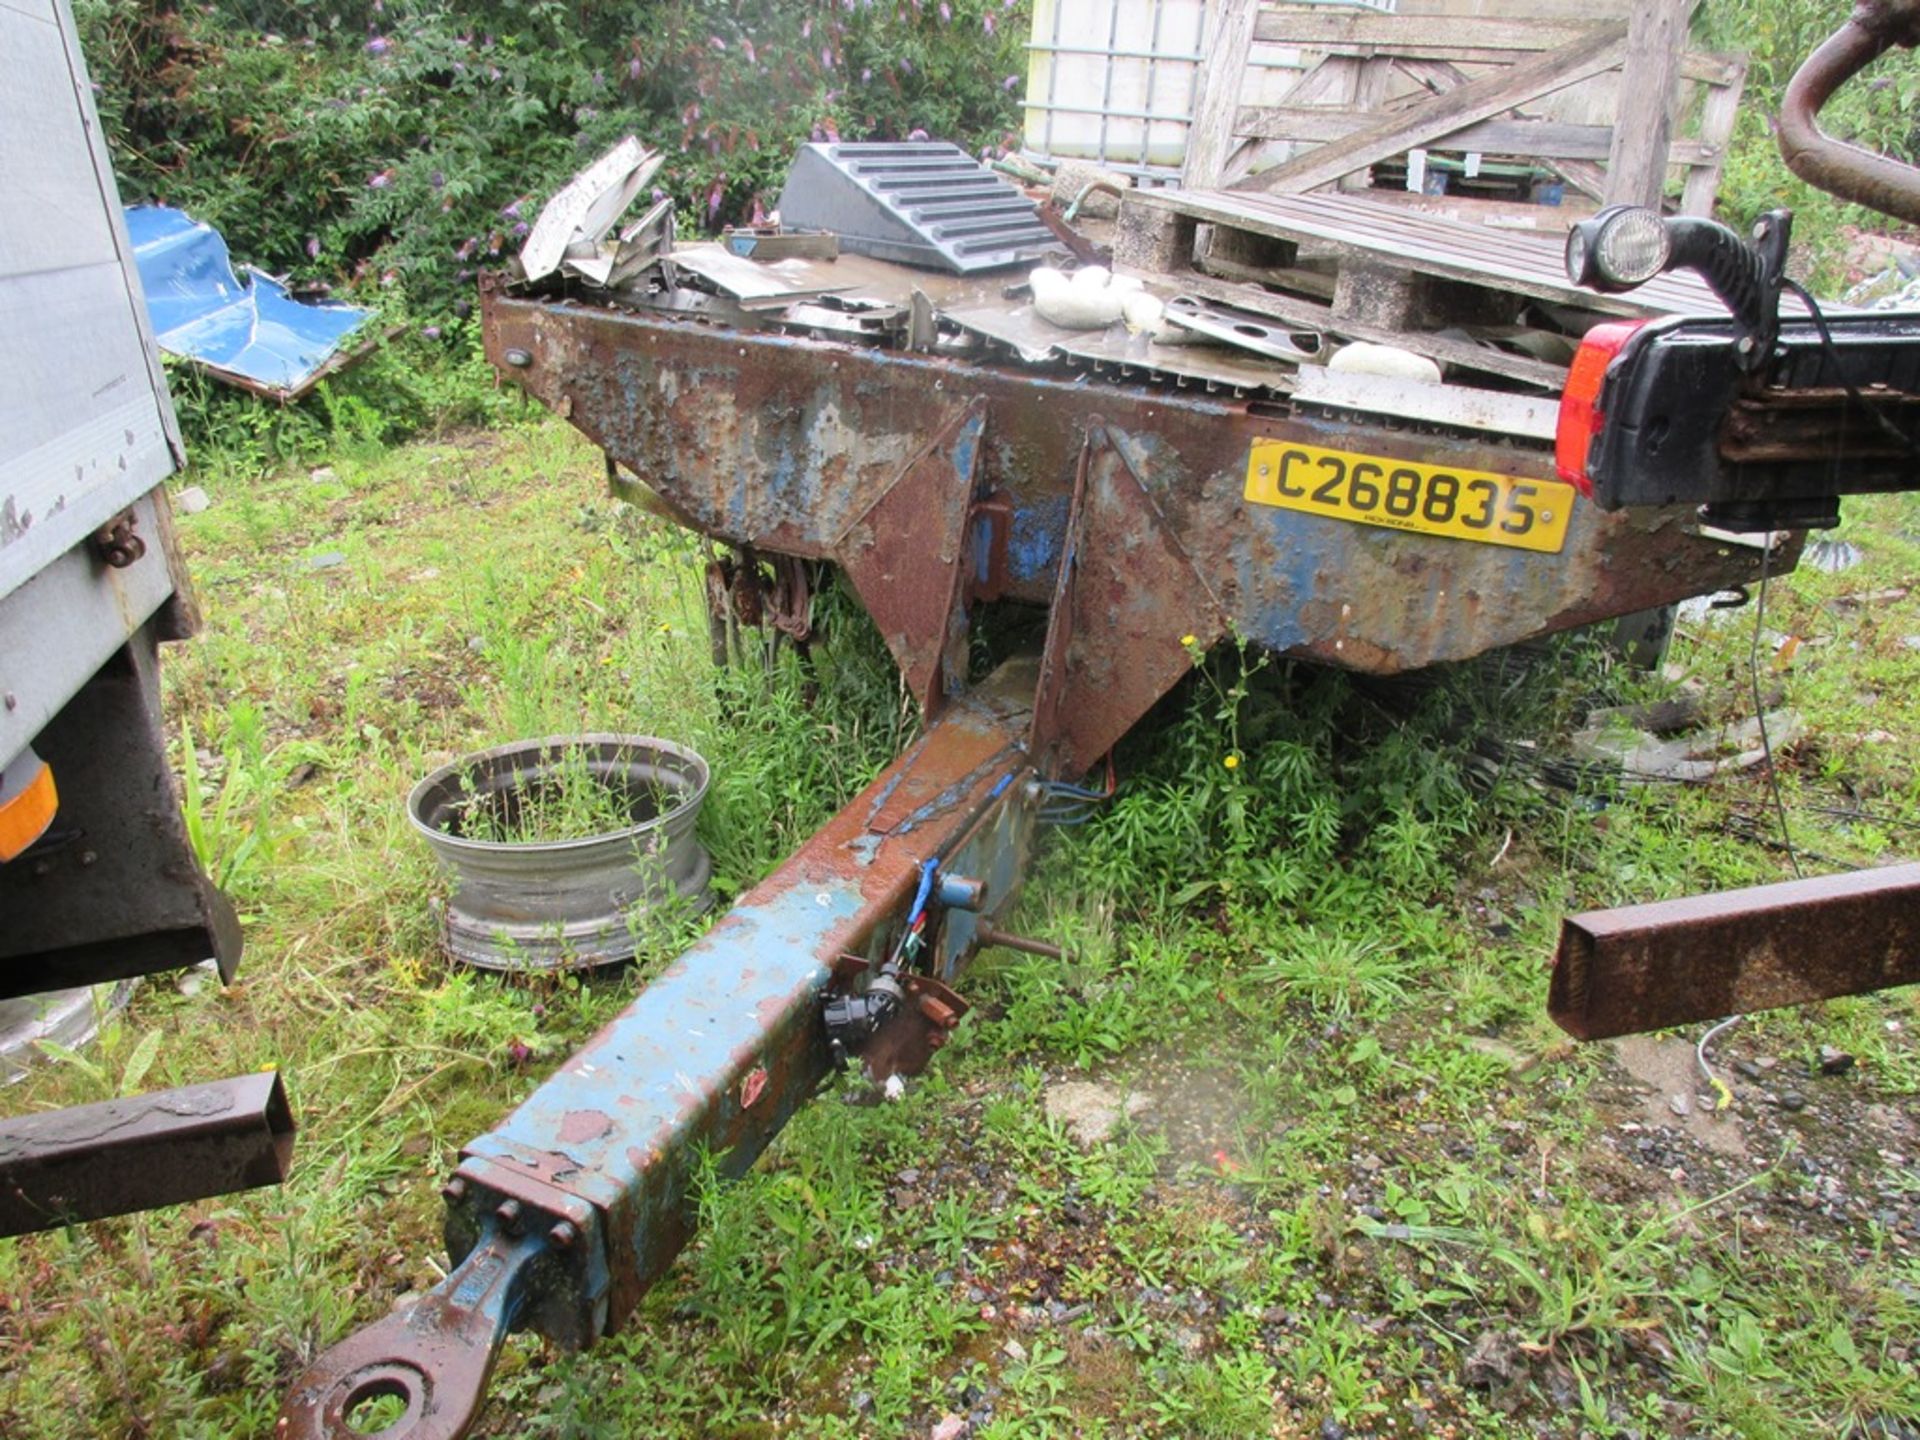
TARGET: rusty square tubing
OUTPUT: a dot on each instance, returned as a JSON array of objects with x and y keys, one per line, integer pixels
[
  {"x": 573, "y": 1206},
  {"x": 118, "y": 1156},
  {"x": 1681, "y": 962}
]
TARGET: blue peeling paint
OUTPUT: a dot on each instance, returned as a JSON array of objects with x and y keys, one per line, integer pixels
[
  {"x": 680, "y": 1044},
  {"x": 1278, "y": 622},
  {"x": 966, "y": 444},
  {"x": 1033, "y": 544}
]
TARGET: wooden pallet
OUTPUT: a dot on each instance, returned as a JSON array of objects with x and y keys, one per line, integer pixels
[
  {"x": 1157, "y": 229},
  {"x": 1372, "y": 271}
]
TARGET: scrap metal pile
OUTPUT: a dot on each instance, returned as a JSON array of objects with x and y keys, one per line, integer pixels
[
  {"x": 917, "y": 246},
  {"x": 900, "y": 381}
]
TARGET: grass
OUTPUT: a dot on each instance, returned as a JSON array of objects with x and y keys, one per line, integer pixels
[
  {"x": 564, "y": 800},
  {"x": 1370, "y": 1191}
]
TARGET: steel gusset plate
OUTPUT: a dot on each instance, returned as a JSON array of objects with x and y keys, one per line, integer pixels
[
  {"x": 1680, "y": 962},
  {"x": 1126, "y": 599},
  {"x": 907, "y": 555},
  {"x": 165, "y": 1148}
]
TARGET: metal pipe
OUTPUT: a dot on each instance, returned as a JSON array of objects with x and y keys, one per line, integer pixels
[
  {"x": 961, "y": 892},
  {"x": 1102, "y": 52},
  {"x": 1849, "y": 171},
  {"x": 1106, "y": 187},
  {"x": 1148, "y": 115},
  {"x": 1007, "y": 941},
  {"x": 119, "y": 1156},
  {"x": 1259, "y": 62}
]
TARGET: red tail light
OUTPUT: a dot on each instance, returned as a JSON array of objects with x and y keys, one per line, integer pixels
[{"x": 1580, "y": 417}]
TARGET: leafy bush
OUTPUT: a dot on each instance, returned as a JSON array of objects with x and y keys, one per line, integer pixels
[
  {"x": 407, "y": 143},
  {"x": 397, "y": 147}
]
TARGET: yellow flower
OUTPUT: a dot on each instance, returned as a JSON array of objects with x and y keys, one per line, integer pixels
[
  {"x": 1232, "y": 762},
  {"x": 1189, "y": 641}
]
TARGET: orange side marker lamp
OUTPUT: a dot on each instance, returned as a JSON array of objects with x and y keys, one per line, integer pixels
[{"x": 28, "y": 803}]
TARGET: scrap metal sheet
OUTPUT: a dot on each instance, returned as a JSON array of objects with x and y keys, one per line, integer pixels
[
  {"x": 246, "y": 330},
  {"x": 1038, "y": 342},
  {"x": 754, "y": 283}
]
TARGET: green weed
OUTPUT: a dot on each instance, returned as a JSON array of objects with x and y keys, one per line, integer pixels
[
  {"x": 1339, "y": 975},
  {"x": 568, "y": 801},
  {"x": 1322, "y": 966}
]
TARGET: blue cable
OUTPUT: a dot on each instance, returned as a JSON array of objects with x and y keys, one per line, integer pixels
[
  {"x": 927, "y": 867},
  {"x": 1077, "y": 792}
]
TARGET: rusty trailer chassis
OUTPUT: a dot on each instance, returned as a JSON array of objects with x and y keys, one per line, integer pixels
[{"x": 937, "y": 483}]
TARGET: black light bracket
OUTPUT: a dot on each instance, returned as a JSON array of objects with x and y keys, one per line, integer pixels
[{"x": 1746, "y": 273}]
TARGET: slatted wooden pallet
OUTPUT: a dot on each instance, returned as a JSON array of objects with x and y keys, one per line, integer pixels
[
  {"x": 1397, "y": 274},
  {"x": 1350, "y": 227}
]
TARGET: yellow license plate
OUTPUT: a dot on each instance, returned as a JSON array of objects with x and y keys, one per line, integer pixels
[{"x": 1406, "y": 495}]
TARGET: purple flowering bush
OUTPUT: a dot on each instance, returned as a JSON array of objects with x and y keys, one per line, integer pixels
[
  {"x": 398, "y": 147},
  {"x": 393, "y": 149}
]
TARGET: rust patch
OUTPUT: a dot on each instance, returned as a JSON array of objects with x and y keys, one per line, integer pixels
[
  {"x": 577, "y": 1127},
  {"x": 753, "y": 1087}
]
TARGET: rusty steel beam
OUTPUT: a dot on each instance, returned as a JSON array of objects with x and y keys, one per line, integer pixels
[
  {"x": 119, "y": 1156},
  {"x": 1679, "y": 962}
]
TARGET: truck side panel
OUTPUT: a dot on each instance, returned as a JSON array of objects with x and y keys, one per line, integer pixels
[{"x": 85, "y": 424}]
